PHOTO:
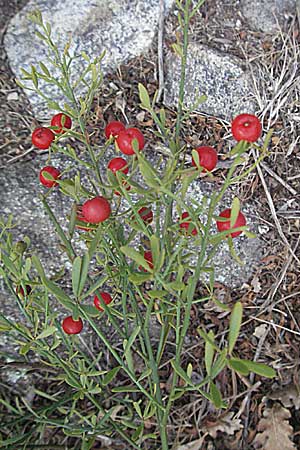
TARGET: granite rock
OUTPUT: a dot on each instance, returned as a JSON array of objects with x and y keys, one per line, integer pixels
[
  {"x": 267, "y": 15},
  {"x": 123, "y": 28},
  {"x": 221, "y": 77}
]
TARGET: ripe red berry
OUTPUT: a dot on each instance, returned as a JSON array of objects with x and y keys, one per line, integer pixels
[
  {"x": 223, "y": 226},
  {"x": 71, "y": 326},
  {"x": 96, "y": 210},
  {"x": 116, "y": 164},
  {"x": 20, "y": 290},
  {"x": 113, "y": 128},
  {"x": 42, "y": 138},
  {"x": 125, "y": 138},
  {"x": 208, "y": 158},
  {"x": 55, "y": 173},
  {"x": 186, "y": 225},
  {"x": 61, "y": 121},
  {"x": 105, "y": 297},
  {"x": 146, "y": 214},
  {"x": 80, "y": 218},
  {"x": 148, "y": 257},
  {"x": 246, "y": 127}
]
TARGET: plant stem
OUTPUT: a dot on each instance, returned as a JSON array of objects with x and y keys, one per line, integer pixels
[{"x": 183, "y": 69}]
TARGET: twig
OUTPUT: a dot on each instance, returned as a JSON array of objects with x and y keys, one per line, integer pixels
[
  {"x": 161, "y": 81},
  {"x": 272, "y": 208},
  {"x": 15, "y": 158},
  {"x": 278, "y": 178},
  {"x": 252, "y": 375}
]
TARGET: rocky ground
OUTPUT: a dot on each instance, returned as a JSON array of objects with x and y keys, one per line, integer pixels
[{"x": 257, "y": 52}]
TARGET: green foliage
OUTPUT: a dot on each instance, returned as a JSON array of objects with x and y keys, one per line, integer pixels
[{"x": 113, "y": 261}]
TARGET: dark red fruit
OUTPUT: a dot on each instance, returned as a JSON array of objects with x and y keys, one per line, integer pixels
[
  {"x": 42, "y": 138},
  {"x": 148, "y": 257},
  {"x": 125, "y": 138},
  {"x": 186, "y": 225},
  {"x": 55, "y": 173},
  {"x": 208, "y": 158},
  {"x": 96, "y": 210},
  {"x": 82, "y": 220},
  {"x": 246, "y": 127},
  {"x": 116, "y": 164},
  {"x": 20, "y": 290},
  {"x": 71, "y": 326},
  {"x": 105, "y": 297},
  {"x": 113, "y": 129},
  {"x": 146, "y": 214},
  {"x": 223, "y": 226},
  {"x": 61, "y": 121}
]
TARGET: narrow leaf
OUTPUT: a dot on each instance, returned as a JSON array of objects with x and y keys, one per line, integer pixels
[{"x": 235, "y": 325}]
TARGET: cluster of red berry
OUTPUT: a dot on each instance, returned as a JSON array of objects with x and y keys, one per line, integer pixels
[{"x": 245, "y": 127}]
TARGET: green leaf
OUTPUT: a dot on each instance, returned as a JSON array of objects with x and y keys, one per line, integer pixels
[
  {"x": 34, "y": 77},
  {"x": 178, "y": 50},
  {"x": 79, "y": 273},
  {"x": 110, "y": 375},
  {"x": 209, "y": 353},
  {"x": 215, "y": 395},
  {"x": 235, "y": 325},
  {"x": 260, "y": 368},
  {"x": 96, "y": 285},
  {"x": 179, "y": 370},
  {"x": 125, "y": 389},
  {"x": 219, "y": 364},
  {"x": 238, "y": 366},
  {"x": 90, "y": 310},
  {"x": 155, "y": 249},
  {"x": 235, "y": 209},
  {"x": 144, "y": 96},
  {"x": 138, "y": 409},
  {"x": 139, "y": 278},
  {"x": 154, "y": 293},
  {"x": 175, "y": 285},
  {"x": 208, "y": 339},
  {"x": 51, "y": 329},
  {"x": 132, "y": 338},
  {"x": 136, "y": 256},
  {"x": 149, "y": 174}
]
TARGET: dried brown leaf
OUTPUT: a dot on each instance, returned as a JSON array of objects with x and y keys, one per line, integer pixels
[
  {"x": 274, "y": 430},
  {"x": 289, "y": 396},
  {"x": 226, "y": 424},
  {"x": 195, "y": 445}
]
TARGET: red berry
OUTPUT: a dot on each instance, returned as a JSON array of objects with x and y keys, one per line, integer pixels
[
  {"x": 61, "y": 121},
  {"x": 208, "y": 158},
  {"x": 223, "y": 226},
  {"x": 106, "y": 298},
  {"x": 146, "y": 214},
  {"x": 71, "y": 326},
  {"x": 116, "y": 164},
  {"x": 80, "y": 218},
  {"x": 246, "y": 127},
  {"x": 125, "y": 138},
  {"x": 113, "y": 128},
  {"x": 55, "y": 173},
  {"x": 186, "y": 225},
  {"x": 42, "y": 138},
  {"x": 148, "y": 257},
  {"x": 96, "y": 210},
  {"x": 20, "y": 290}
]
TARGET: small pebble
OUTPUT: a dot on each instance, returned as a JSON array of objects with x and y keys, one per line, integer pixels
[{"x": 12, "y": 96}]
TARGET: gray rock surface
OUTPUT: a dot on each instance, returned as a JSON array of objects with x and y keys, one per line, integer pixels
[
  {"x": 222, "y": 77},
  {"x": 124, "y": 28},
  {"x": 267, "y": 15}
]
